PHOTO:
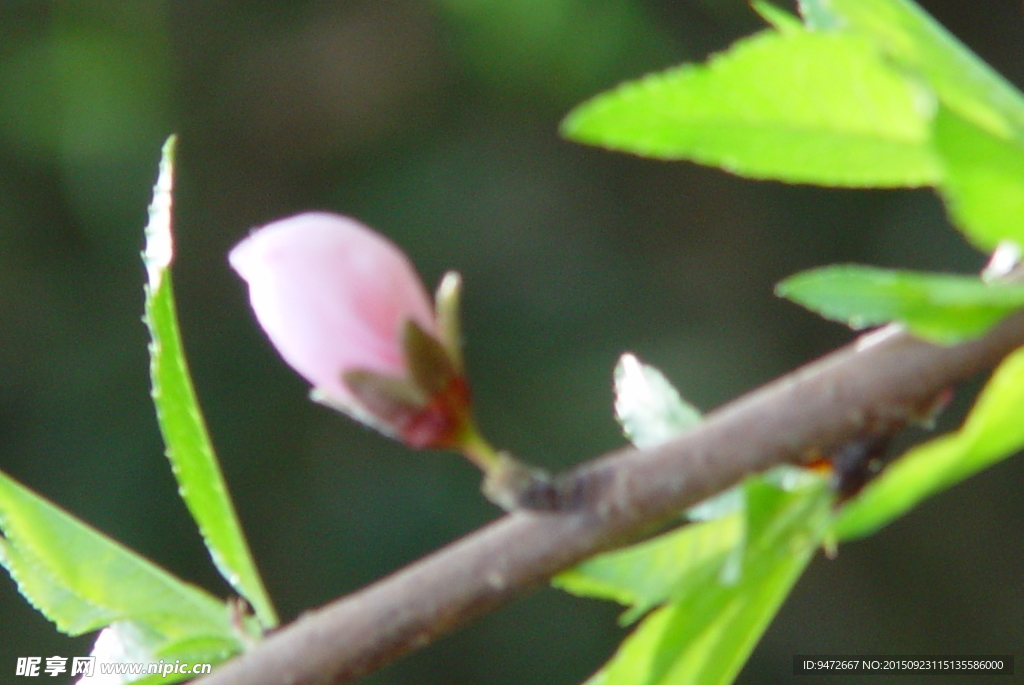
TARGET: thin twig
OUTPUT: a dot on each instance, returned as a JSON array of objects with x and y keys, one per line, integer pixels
[{"x": 885, "y": 375}]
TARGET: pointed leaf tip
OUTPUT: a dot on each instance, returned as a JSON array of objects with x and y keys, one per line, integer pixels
[
  {"x": 189, "y": 448},
  {"x": 647, "y": 407},
  {"x": 159, "y": 244}
]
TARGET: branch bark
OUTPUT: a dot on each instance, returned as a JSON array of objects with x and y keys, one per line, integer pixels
[{"x": 885, "y": 375}]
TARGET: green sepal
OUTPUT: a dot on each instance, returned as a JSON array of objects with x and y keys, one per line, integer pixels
[
  {"x": 430, "y": 366},
  {"x": 447, "y": 305},
  {"x": 389, "y": 400}
]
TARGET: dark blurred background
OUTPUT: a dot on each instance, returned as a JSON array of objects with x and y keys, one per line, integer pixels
[{"x": 435, "y": 122}]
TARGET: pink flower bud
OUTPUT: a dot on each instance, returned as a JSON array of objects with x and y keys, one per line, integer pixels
[{"x": 337, "y": 299}]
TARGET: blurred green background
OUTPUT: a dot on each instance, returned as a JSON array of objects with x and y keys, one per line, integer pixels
[{"x": 435, "y": 122}]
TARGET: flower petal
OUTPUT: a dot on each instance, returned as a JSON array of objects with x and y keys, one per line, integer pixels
[{"x": 332, "y": 296}]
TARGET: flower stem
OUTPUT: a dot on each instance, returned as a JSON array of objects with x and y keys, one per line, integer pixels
[
  {"x": 476, "y": 448},
  {"x": 508, "y": 482}
]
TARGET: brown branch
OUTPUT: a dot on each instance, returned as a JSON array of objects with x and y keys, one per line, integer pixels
[{"x": 882, "y": 376}]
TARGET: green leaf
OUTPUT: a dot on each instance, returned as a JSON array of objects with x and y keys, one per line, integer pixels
[
  {"x": 705, "y": 634},
  {"x": 779, "y": 19},
  {"x": 819, "y": 16},
  {"x": 647, "y": 407},
  {"x": 983, "y": 185},
  {"x": 647, "y": 574},
  {"x": 803, "y": 107},
  {"x": 942, "y": 308},
  {"x": 650, "y": 411},
  {"x": 993, "y": 431},
  {"x": 785, "y": 476},
  {"x": 200, "y": 481},
  {"x": 912, "y": 39},
  {"x": 82, "y": 580},
  {"x": 126, "y": 642}
]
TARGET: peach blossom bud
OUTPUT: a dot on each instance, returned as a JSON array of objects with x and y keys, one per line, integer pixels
[{"x": 337, "y": 300}]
